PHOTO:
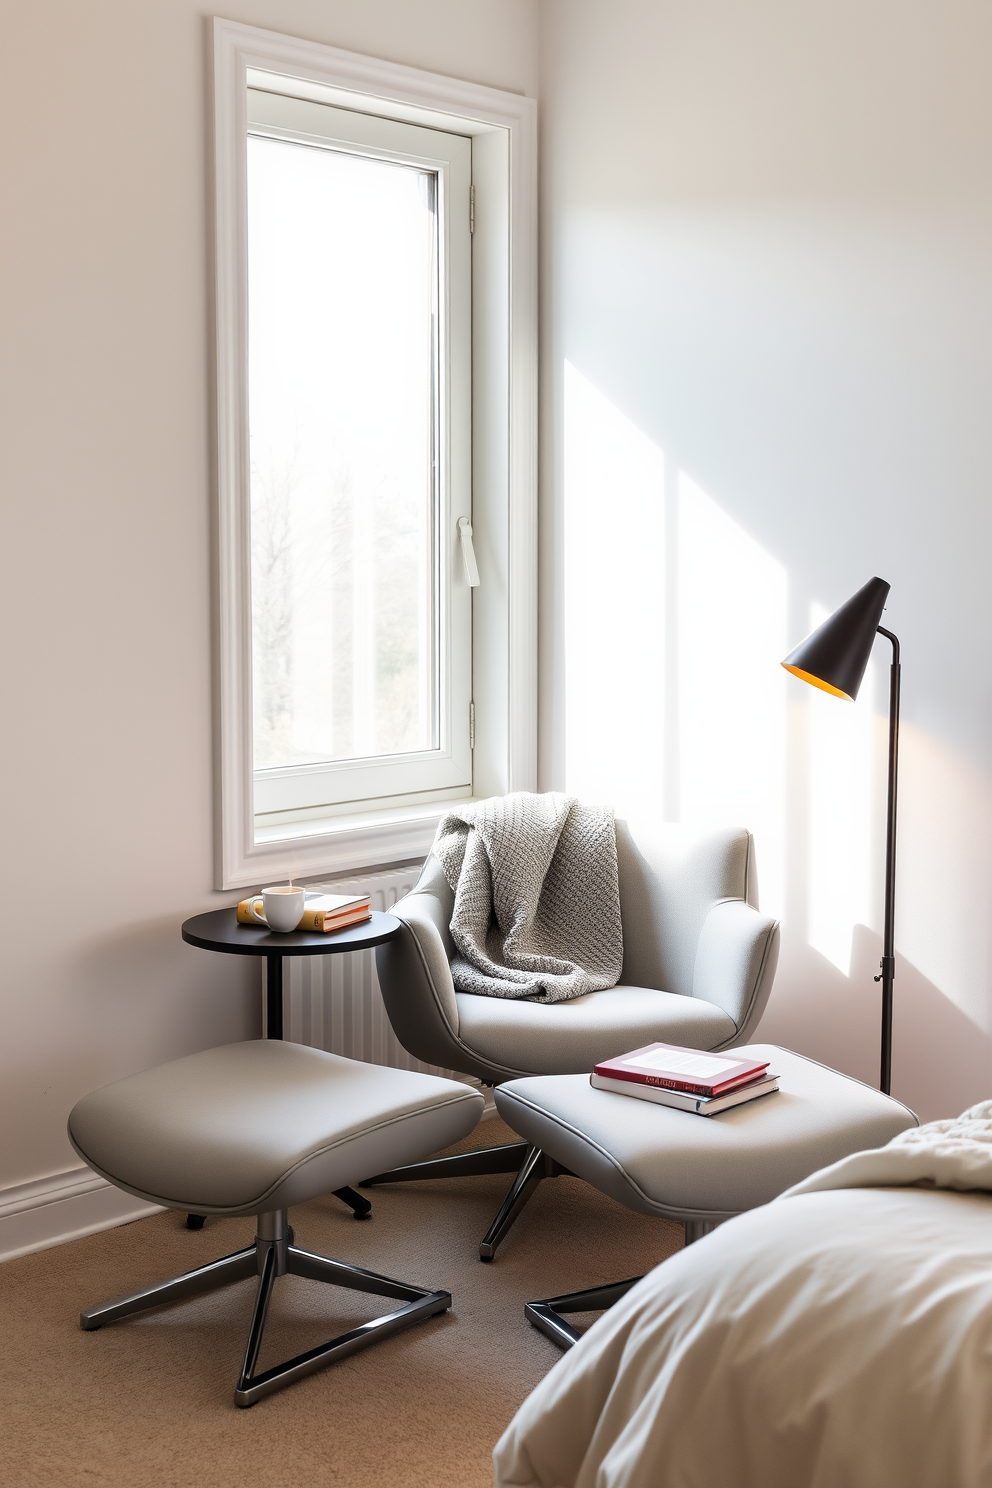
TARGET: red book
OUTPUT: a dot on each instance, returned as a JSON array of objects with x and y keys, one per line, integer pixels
[{"x": 674, "y": 1068}]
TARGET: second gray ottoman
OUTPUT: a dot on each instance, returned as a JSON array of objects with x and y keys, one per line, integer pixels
[
  {"x": 699, "y": 1169},
  {"x": 695, "y": 1168}
]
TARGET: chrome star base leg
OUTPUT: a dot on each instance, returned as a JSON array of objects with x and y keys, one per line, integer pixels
[
  {"x": 504, "y": 1159},
  {"x": 546, "y": 1315},
  {"x": 529, "y": 1163},
  {"x": 536, "y": 1166},
  {"x": 273, "y": 1255},
  {"x": 361, "y": 1208}
]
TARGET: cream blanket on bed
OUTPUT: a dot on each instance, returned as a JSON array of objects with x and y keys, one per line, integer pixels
[
  {"x": 840, "y": 1337},
  {"x": 537, "y": 896},
  {"x": 955, "y": 1154}
]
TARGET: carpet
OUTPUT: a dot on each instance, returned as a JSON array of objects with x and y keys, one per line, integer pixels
[{"x": 149, "y": 1401}]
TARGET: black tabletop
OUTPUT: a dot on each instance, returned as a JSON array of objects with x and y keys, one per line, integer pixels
[{"x": 219, "y": 931}]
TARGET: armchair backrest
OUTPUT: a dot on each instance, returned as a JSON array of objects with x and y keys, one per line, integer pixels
[{"x": 670, "y": 878}]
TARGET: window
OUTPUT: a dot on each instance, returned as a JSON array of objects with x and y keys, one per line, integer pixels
[
  {"x": 376, "y": 382},
  {"x": 359, "y": 420}
]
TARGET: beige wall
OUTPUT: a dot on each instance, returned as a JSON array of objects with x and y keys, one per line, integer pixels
[
  {"x": 106, "y": 585},
  {"x": 766, "y": 240}
]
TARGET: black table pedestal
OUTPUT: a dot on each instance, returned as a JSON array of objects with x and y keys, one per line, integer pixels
[{"x": 273, "y": 996}]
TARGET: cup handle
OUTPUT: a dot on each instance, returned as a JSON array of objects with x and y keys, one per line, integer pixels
[{"x": 259, "y": 919}]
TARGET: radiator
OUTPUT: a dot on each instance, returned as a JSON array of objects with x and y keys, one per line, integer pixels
[{"x": 334, "y": 1002}]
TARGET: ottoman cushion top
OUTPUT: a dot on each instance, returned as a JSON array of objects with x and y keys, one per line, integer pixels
[
  {"x": 662, "y": 1161},
  {"x": 264, "y": 1124}
]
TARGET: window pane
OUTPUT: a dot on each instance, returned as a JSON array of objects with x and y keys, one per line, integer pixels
[{"x": 342, "y": 273}]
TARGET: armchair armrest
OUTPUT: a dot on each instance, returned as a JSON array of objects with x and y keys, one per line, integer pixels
[
  {"x": 416, "y": 985},
  {"x": 424, "y": 915},
  {"x": 735, "y": 961}
]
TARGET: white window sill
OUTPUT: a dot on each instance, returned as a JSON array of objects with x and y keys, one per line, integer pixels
[{"x": 342, "y": 844}]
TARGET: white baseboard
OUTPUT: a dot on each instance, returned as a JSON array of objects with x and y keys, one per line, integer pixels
[{"x": 63, "y": 1206}]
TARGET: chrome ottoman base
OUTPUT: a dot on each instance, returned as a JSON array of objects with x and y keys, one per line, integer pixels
[{"x": 273, "y": 1255}]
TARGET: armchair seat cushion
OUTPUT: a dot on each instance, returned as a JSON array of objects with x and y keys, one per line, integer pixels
[{"x": 568, "y": 1038}]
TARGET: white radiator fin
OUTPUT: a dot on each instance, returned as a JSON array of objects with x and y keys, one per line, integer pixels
[{"x": 334, "y": 1002}]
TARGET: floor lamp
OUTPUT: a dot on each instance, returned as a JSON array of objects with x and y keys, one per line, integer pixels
[{"x": 834, "y": 658}]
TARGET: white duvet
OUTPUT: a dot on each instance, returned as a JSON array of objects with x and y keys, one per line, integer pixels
[{"x": 840, "y": 1337}]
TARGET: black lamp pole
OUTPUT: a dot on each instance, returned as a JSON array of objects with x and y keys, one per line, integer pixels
[
  {"x": 888, "y": 972},
  {"x": 834, "y": 659}
]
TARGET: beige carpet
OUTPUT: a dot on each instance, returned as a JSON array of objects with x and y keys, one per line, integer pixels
[{"x": 149, "y": 1401}]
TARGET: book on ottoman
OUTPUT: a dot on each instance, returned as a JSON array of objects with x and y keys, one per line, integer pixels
[
  {"x": 681, "y": 1100},
  {"x": 687, "y": 1079}
]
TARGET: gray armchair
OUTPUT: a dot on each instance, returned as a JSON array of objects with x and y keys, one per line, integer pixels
[{"x": 698, "y": 965}]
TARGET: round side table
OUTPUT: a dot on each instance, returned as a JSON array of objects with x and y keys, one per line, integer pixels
[{"x": 219, "y": 931}]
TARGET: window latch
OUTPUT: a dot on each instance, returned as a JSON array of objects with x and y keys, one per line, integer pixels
[{"x": 468, "y": 553}]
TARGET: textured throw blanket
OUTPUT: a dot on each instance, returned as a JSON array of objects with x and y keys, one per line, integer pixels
[
  {"x": 954, "y": 1154},
  {"x": 537, "y": 897}
]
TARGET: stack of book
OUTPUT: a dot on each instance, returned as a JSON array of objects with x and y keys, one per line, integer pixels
[
  {"x": 321, "y": 912},
  {"x": 686, "y": 1079}
]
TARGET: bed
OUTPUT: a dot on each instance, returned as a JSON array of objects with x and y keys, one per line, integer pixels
[{"x": 839, "y": 1337}]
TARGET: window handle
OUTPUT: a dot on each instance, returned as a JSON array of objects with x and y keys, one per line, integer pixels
[{"x": 468, "y": 553}]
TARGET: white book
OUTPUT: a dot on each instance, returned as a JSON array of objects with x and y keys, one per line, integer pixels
[
  {"x": 335, "y": 904},
  {"x": 681, "y": 1100}
]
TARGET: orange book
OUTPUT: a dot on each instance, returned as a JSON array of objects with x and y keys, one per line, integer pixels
[{"x": 322, "y": 920}]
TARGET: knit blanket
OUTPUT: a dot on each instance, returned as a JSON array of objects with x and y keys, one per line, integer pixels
[{"x": 537, "y": 896}]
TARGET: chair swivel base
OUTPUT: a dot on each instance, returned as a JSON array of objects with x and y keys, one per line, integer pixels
[
  {"x": 273, "y": 1255},
  {"x": 546, "y": 1316},
  {"x": 529, "y": 1163}
]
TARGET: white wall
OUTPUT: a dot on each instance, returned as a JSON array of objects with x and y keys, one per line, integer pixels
[
  {"x": 767, "y": 233},
  {"x": 107, "y": 574}
]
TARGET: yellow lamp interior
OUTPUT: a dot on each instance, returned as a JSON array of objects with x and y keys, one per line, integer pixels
[{"x": 817, "y": 682}]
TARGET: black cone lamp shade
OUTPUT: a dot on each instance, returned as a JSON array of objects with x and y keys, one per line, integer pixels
[
  {"x": 835, "y": 656},
  {"x": 834, "y": 659}
]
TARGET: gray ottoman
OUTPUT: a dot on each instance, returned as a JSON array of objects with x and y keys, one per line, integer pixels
[
  {"x": 701, "y": 1170},
  {"x": 251, "y": 1128}
]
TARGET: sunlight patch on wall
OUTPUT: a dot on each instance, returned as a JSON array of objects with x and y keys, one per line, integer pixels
[
  {"x": 729, "y": 603},
  {"x": 944, "y": 873},
  {"x": 732, "y": 637},
  {"x": 614, "y": 603},
  {"x": 840, "y": 815}
]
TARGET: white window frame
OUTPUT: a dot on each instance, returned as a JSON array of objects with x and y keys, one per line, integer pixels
[{"x": 504, "y": 496}]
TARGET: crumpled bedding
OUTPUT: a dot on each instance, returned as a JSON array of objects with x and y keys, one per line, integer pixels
[
  {"x": 953, "y": 1154},
  {"x": 839, "y": 1337}
]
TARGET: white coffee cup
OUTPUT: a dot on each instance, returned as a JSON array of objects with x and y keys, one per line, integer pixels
[{"x": 282, "y": 905}]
